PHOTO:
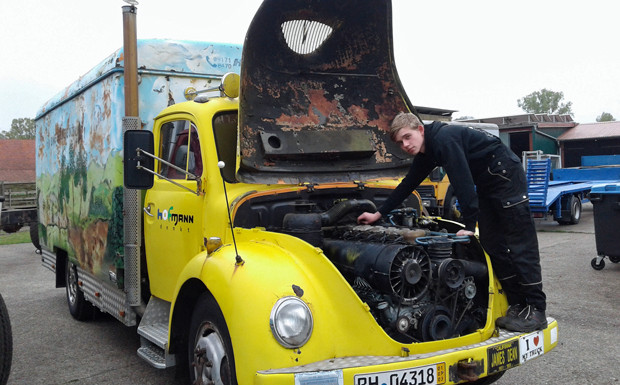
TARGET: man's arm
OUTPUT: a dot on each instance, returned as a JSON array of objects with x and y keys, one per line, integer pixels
[
  {"x": 454, "y": 161},
  {"x": 421, "y": 166}
]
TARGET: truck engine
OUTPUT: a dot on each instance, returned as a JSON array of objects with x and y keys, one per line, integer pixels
[{"x": 420, "y": 282}]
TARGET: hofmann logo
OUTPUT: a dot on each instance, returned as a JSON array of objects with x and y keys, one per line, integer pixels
[{"x": 169, "y": 216}]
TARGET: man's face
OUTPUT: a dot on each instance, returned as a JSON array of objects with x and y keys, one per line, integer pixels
[{"x": 411, "y": 140}]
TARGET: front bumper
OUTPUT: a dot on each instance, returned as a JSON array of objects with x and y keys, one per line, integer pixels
[{"x": 499, "y": 353}]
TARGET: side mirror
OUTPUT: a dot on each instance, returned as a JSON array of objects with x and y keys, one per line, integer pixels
[
  {"x": 436, "y": 175},
  {"x": 230, "y": 84},
  {"x": 138, "y": 166}
]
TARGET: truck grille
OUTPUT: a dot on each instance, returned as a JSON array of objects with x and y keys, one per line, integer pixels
[{"x": 426, "y": 191}]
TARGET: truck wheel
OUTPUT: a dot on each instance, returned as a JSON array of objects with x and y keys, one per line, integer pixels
[
  {"x": 34, "y": 235},
  {"x": 11, "y": 228},
  {"x": 597, "y": 266},
  {"x": 6, "y": 343},
  {"x": 79, "y": 307},
  {"x": 450, "y": 206},
  {"x": 573, "y": 214},
  {"x": 575, "y": 210},
  {"x": 211, "y": 357}
]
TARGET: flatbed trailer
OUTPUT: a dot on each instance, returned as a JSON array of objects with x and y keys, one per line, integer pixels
[
  {"x": 19, "y": 208},
  {"x": 562, "y": 199}
]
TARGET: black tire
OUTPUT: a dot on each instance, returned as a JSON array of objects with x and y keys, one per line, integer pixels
[
  {"x": 572, "y": 216},
  {"x": 6, "y": 343},
  {"x": 450, "y": 206},
  {"x": 599, "y": 266},
  {"x": 79, "y": 307},
  {"x": 208, "y": 334},
  {"x": 488, "y": 379},
  {"x": 34, "y": 235},
  {"x": 11, "y": 228},
  {"x": 575, "y": 210},
  {"x": 614, "y": 258}
]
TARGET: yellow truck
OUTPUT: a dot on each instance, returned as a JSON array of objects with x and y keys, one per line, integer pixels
[
  {"x": 437, "y": 195},
  {"x": 224, "y": 226}
]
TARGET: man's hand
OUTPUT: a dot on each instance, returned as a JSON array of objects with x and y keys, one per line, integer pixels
[
  {"x": 459, "y": 233},
  {"x": 368, "y": 218}
]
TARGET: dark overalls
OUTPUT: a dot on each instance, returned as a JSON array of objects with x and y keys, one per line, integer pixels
[
  {"x": 507, "y": 230},
  {"x": 498, "y": 202}
]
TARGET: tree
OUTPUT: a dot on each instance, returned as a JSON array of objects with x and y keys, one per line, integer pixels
[
  {"x": 605, "y": 117},
  {"x": 22, "y": 128},
  {"x": 545, "y": 102}
]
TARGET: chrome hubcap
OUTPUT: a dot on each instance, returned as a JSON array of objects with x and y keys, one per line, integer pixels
[{"x": 72, "y": 284}]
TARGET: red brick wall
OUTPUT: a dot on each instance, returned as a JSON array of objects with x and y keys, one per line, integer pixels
[{"x": 17, "y": 160}]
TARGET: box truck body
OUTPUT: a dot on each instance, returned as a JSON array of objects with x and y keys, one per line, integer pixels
[{"x": 79, "y": 144}]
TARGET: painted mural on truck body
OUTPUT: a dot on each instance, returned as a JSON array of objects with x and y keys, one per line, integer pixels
[{"x": 79, "y": 142}]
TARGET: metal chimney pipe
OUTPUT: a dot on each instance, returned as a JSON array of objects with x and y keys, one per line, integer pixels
[
  {"x": 132, "y": 208},
  {"x": 130, "y": 54}
]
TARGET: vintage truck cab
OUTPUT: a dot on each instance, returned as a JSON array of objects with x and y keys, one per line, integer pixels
[{"x": 255, "y": 243}]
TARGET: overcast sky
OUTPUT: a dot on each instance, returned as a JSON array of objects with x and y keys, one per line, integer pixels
[{"x": 477, "y": 57}]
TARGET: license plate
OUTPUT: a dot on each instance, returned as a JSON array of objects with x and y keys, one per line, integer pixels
[
  {"x": 434, "y": 374},
  {"x": 503, "y": 356},
  {"x": 532, "y": 346}
]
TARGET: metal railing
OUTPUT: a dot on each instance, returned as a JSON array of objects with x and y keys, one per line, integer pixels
[{"x": 18, "y": 195}]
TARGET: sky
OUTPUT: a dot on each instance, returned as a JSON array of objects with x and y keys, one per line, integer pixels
[{"x": 477, "y": 57}]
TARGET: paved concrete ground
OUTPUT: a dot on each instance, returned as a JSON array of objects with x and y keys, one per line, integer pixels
[
  {"x": 586, "y": 304},
  {"x": 51, "y": 348}
]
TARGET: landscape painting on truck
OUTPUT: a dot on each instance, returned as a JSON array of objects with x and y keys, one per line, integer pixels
[{"x": 79, "y": 144}]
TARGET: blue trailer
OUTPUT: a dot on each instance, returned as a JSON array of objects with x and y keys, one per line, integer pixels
[
  {"x": 594, "y": 169},
  {"x": 563, "y": 196},
  {"x": 562, "y": 199}
]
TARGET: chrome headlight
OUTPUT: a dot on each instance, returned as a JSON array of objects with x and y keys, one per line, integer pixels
[{"x": 291, "y": 322}]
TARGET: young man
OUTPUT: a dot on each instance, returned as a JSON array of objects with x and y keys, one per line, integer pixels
[{"x": 490, "y": 184}]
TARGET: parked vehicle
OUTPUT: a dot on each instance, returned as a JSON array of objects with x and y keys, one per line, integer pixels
[
  {"x": 18, "y": 208},
  {"x": 6, "y": 343},
  {"x": 225, "y": 226},
  {"x": 560, "y": 192},
  {"x": 561, "y": 199}
]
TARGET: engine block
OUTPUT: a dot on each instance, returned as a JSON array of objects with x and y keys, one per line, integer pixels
[{"x": 417, "y": 288}]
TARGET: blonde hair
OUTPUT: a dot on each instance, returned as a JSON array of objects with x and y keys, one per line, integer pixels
[{"x": 402, "y": 120}]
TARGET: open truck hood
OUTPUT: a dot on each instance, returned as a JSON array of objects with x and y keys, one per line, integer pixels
[{"x": 319, "y": 90}]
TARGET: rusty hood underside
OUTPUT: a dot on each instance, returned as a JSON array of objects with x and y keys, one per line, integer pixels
[{"x": 319, "y": 90}]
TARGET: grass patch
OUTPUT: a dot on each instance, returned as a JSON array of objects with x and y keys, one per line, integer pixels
[{"x": 14, "y": 238}]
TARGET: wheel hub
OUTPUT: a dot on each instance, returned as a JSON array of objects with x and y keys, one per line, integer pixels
[
  {"x": 210, "y": 363},
  {"x": 72, "y": 285}
]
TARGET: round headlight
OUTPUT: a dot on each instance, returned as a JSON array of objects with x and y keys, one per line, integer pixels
[{"x": 291, "y": 322}]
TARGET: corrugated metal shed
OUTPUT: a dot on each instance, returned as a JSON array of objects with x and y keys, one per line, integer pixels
[
  {"x": 589, "y": 139},
  {"x": 591, "y": 131},
  {"x": 531, "y": 132},
  {"x": 430, "y": 113},
  {"x": 542, "y": 120}
]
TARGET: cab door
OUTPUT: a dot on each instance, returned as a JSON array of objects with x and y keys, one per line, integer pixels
[{"x": 172, "y": 219}]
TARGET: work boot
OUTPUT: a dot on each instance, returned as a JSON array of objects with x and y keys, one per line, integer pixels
[
  {"x": 528, "y": 320},
  {"x": 512, "y": 312}
]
